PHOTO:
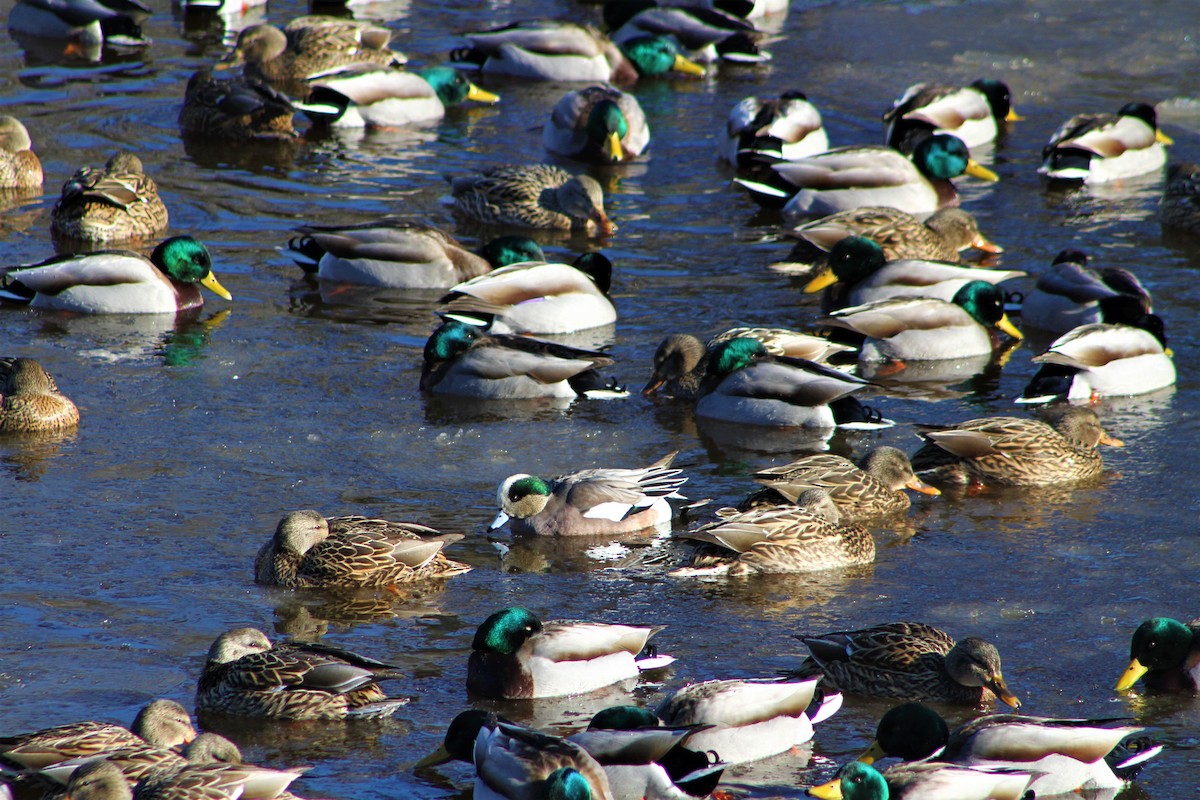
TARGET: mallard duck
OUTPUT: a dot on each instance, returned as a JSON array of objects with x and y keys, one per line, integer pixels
[
  {"x": 1096, "y": 148},
  {"x": 81, "y": 23},
  {"x": 213, "y": 769},
  {"x": 110, "y": 205},
  {"x": 751, "y": 719},
  {"x": 681, "y": 360},
  {"x": 30, "y": 400},
  {"x": 161, "y": 723},
  {"x": 1069, "y": 293},
  {"x": 785, "y": 127},
  {"x": 537, "y": 297},
  {"x": 860, "y": 493},
  {"x": 910, "y": 661},
  {"x": 930, "y": 779},
  {"x": 309, "y": 550},
  {"x": 598, "y": 124},
  {"x": 973, "y": 112},
  {"x": 554, "y": 50},
  {"x": 235, "y": 107},
  {"x": 1011, "y": 451},
  {"x": 1180, "y": 209},
  {"x": 245, "y": 674},
  {"x": 747, "y": 9},
  {"x": 464, "y": 360},
  {"x": 98, "y": 779},
  {"x": 117, "y": 281},
  {"x": 310, "y": 46},
  {"x": 516, "y": 656},
  {"x": 373, "y": 96},
  {"x": 533, "y": 196},
  {"x": 590, "y": 502},
  {"x": 20, "y": 167},
  {"x": 868, "y": 175},
  {"x": 1164, "y": 655},
  {"x": 705, "y": 35}
]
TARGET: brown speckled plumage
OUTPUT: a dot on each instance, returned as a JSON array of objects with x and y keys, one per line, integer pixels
[
  {"x": 236, "y": 108},
  {"x": 114, "y": 204},
  {"x": 20, "y": 168},
  {"x": 532, "y": 196},
  {"x": 30, "y": 400}
]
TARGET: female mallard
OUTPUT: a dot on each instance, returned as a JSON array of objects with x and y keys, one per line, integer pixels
[
  {"x": 20, "y": 167},
  {"x": 1010, "y": 451},
  {"x": 516, "y": 656},
  {"x": 1095, "y": 148},
  {"x": 1180, "y": 209},
  {"x": 599, "y": 124},
  {"x": 80, "y": 23},
  {"x": 973, "y": 112},
  {"x": 110, "y": 205},
  {"x": 750, "y": 719},
  {"x": 214, "y": 769},
  {"x": 533, "y": 196},
  {"x": 909, "y": 661},
  {"x": 373, "y": 96},
  {"x": 98, "y": 779},
  {"x": 161, "y": 723},
  {"x": 591, "y": 502},
  {"x": 785, "y": 127},
  {"x": 930, "y": 779},
  {"x": 309, "y": 47},
  {"x": 868, "y": 175},
  {"x": 553, "y": 50},
  {"x": 245, "y": 674},
  {"x": 117, "y": 281},
  {"x": 235, "y": 107},
  {"x": 464, "y": 360},
  {"x": 705, "y": 35},
  {"x": 30, "y": 400},
  {"x": 1069, "y": 294},
  {"x": 537, "y": 297},
  {"x": 1165, "y": 656},
  {"x": 309, "y": 550}
]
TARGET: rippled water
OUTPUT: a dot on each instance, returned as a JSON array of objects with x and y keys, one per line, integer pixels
[{"x": 127, "y": 546}]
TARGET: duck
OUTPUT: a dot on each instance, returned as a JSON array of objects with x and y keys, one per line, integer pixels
[
  {"x": 213, "y": 768},
  {"x": 1180, "y": 208},
  {"x": 98, "y": 779},
  {"x": 590, "y": 502},
  {"x": 533, "y": 196},
  {"x": 160, "y": 723},
  {"x": 752, "y": 719},
  {"x": 30, "y": 399},
  {"x": 785, "y": 128},
  {"x": 537, "y": 297},
  {"x": 556, "y": 50},
  {"x": 466, "y": 361},
  {"x": 908, "y": 661},
  {"x": 81, "y": 23},
  {"x": 868, "y": 175},
  {"x": 860, "y": 493},
  {"x": 235, "y": 107},
  {"x": 705, "y": 35},
  {"x": 747, "y": 9},
  {"x": 1015, "y": 451},
  {"x": 309, "y": 550},
  {"x": 1099, "y": 148},
  {"x": 1164, "y": 655},
  {"x": 859, "y": 781},
  {"x": 117, "y": 281},
  {"x": 1062, "y": 755},
  {"x": 597, "y": 124},
  {"x": 973, "y": 113},
  {"x": 516, "y": 656},
  {"x": 20, "y": 167},
  {"x": 245, "y": 675},
  {"x": 1069, "y": 293},
  {"x": 374, "y": 96},
  {"x": 110, "y": 205}
]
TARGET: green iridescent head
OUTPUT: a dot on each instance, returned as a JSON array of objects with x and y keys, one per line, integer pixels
[{"x": 505, "y": 631}]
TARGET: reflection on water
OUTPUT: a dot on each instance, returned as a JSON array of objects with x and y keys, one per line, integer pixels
[{"x": 26, "y": 456}]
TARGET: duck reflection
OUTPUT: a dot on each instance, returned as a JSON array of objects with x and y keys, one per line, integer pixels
[
  {"x": 308, "y": 615},
  {"x": 556, "y": 554},
  {"x": 176, "y": 340},
  {"x": 26, "y": 456}
]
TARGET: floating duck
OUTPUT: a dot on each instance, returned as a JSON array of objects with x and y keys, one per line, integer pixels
[
  {"x": 705, "y": 35},
  {"x": 235, "y": 107},
  {"x": 1069, "y": 293},
  {"x": 858, "y": 781},
  {"x": 20, "y": 167},
  {"x": 533, "y": 196},
  {"x": 30, "y": 399},
  {"x": 1164, "y": 655},
  {"x": 784, "y": 128},
  {"x": 110, "y": 205},
  {"x": 1097, "y": 148},
  {"x": 374, "y": 96},
  {"x": 598, "y": 124},
  {"x": 973, "y": 112}
]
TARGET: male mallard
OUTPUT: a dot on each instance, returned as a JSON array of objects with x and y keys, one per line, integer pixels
[
  {"x": 516, "y": 656},
  {"x": 533, "y": 196},
  {"x": 973, "y": 112},
  {"x": 705, "y": 35},
  {"x": 1011, "y": 451},
  {"x": 235, "y": 107},
  {"x": 785, "y": 127},
  {"x": 309, "y": 47},
  {"x": 245, "y": 674},
  {"x": 537, "y": 297},
  {"x": 930, "y": 779},
  {"x": 464, "y": 360},
  {"x": 910, "y": 661},
  {"x": 1068, "y": 294},
  {"x": 869, "y": 175},
  {"x": 213, "y": 769},
  {"x": 1180, "y": 209},
  {"x": 80, "y": 23},
  {"x": 1164, "y": 655},
  {"x": 117, "y": 281},
  {"x": 30, "y": 400},
  {"x": 374, "y": 96},
  {"x": 751, "y": 719},
  {"x": 19, "y": 166},
  {"x": 860, "y": 493},
  {"x": 553, "y": 50},
  {"x": 1095, "y": 148},
  {"x": 590, "y": 502},
  {"x": 161, "y": 723},
  {"x": 599, "y": 124},
  {"x": 110, "y": 205},
  {"x": 309, "y": 550}
]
